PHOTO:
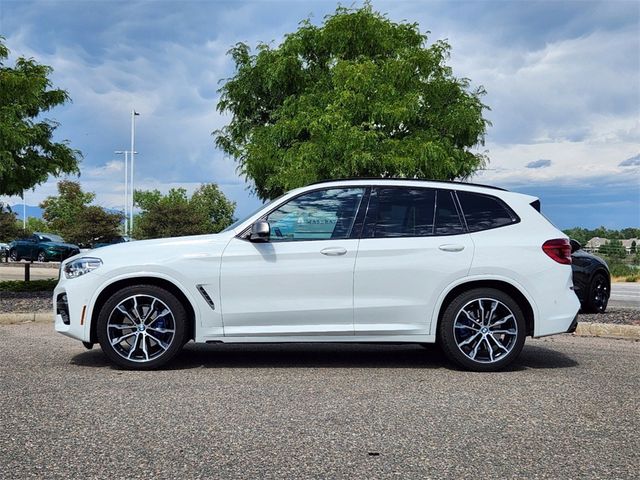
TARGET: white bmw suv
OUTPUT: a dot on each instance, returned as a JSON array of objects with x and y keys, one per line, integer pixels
[{"x": 473, "y": 268}]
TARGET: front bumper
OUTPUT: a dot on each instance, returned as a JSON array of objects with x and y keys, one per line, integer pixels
[{"x": 72, "y": 303}]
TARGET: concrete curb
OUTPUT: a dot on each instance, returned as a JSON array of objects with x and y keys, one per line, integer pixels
[
  {"x": 17, "y": 318},
  {"x": 609, "y": 330}
]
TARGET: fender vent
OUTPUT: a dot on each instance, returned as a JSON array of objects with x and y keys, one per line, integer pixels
[{"x": 206, "y": 296}]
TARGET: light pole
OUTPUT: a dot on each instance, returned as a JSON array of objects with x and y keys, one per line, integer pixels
[
  {"x": 126, "y": 184},
  {"x": 132, "y": 151},
  {"x": 24, "y": 212}
]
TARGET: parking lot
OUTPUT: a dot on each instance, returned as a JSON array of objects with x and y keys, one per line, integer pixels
[{"x": 567, "y": 409}]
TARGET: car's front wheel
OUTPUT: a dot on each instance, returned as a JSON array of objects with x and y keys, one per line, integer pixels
[
  {"x": 482, "y": 330},
  {"x": 13, "y": 255},
  {"x": 142, "y": 327},
  {"x": 42, "y": 257}
]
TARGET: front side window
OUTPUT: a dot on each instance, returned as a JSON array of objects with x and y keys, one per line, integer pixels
[
  {"x": 318, "y": 215},
  {"x": 483, "y": 212}
]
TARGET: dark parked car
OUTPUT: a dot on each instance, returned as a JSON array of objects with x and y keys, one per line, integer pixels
[
  {"x": 42, "y": 247},
  {"x": 591, "y": 279}
]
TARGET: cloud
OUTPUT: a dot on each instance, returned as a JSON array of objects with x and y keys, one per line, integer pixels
[
  {"x": 631, "y": 161},
  {"x": 539, "y": 164}
]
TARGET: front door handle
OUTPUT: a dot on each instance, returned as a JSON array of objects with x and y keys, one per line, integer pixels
[
  {"x": 333, "y": 251},
  {"x": 451, "y": 248}
]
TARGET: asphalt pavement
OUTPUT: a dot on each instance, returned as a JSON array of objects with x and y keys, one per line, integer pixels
[
  {"x": 568, "y": 408},
  {"x": 625, "y": 295}
]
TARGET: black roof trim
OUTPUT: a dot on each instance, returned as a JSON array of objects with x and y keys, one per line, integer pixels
[{"x": 411, "y": 180}]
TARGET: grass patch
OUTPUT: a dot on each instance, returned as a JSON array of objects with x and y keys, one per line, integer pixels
[{"x": 32, "y": 286}]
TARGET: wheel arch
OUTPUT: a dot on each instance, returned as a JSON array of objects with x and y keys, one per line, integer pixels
[
  {"x": 119, "y": 284},
  {"x": 510, "y": 289}
]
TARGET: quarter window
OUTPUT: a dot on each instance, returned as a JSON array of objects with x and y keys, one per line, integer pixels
[
  {"x": 483, "y": 212},
  {"x": 318, "y": 215}
]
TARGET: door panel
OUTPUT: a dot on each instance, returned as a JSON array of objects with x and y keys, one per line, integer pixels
[
  {"x": 283, "y": 288},
  {"x": 414, "y": 246},
  {"x": 301, "y": 281},
  {"x": 397, "y": 281}
]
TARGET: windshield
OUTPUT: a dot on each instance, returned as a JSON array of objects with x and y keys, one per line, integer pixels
[
  {"x": 238, "y": 222},
  {"x": 50, "y": 238}
]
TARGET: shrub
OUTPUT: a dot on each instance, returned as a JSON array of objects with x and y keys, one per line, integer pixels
[{"x": 32, "y": 286}]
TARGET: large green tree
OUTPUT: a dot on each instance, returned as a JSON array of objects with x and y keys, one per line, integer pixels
[
  {"x": 175, "y": 214},
  {"x": 71, "y": 214},
  {"x": 358, "y": 96},
  {"x": 28, "y": 154}
]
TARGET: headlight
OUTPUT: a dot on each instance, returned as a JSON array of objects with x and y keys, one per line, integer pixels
[{"x": 80, "y": 266}]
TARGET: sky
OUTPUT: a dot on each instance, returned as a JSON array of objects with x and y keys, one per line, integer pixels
[{"x": 562, "y": 81}]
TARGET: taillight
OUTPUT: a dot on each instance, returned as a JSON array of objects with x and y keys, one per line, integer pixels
[{"x": 559, "y": 249}]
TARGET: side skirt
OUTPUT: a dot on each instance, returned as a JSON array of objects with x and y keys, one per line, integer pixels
[{"x": 322, "y": 339}]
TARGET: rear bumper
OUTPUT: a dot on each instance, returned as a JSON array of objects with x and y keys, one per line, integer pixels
[{"x": 573, "y": 326}]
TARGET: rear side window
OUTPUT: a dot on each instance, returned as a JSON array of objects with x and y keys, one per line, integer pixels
[
  {"x": 483, "y": 212},
  {"x": 400, "y": 212}
]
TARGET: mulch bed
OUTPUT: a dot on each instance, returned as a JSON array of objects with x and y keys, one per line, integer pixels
[{"x": 28, "y": 302}]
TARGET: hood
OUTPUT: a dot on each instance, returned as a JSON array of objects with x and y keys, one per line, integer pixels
[{"x": 161, "y": 250}]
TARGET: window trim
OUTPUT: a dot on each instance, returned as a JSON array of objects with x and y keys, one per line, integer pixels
[{"x": 244, "y": 234}]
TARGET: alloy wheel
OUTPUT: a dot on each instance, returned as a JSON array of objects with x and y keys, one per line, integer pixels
[
  {"x": 600, "y": 293},
  {"x": 141, "y": 328},
  {"x": 485, "y": 330}
]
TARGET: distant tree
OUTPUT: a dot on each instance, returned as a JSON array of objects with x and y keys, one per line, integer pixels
[
  {"x": 28, "y": 155},
  {"x": 175, "y": 214},
  {"x": 358, "y": 96},
  {"x": 71, "y": 215},
  {"x": 94, "y": 222},
  {"x": 61, "y": 212},
  {"x": 582, "y": 235},
  {"x": 9, "y": 229},
  {"x": 38, "y": 225},
  {"x": 216, "y": 209},
  {"x": 633, "y": 247},
  {"x": 614, "y": 249},
  {"x": 630, "y": 233}
]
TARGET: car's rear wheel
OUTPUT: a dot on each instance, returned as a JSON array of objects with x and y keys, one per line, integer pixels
[
  {"x": 13, "y": 255},
  {"x": 42, "y": 257},
  {"x": 142, "y": 327},
  {"x": 598, "y": 294},
  {"x": 482, "y": 330}
]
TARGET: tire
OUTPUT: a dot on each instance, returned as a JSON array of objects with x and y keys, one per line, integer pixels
[
  {"x": 13, "y": 255},
  {"x": 147, "y": 346},
  {"x": 468, "y": 338},
  {"x": 42, "y": 257},
  {"x": 598, "y": 294}
]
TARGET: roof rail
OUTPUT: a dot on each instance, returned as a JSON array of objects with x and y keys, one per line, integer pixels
[{"x": 409, "y": 180}]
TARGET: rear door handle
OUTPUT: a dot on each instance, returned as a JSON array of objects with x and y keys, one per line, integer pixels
[
  {"x": 333, "y": 251},
  {"x": 451, "y": 248}
]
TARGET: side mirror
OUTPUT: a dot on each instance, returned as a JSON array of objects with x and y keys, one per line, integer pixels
[
  {"x": 260, "y": 231},
  {"x": 575, "y": 245}
]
